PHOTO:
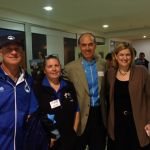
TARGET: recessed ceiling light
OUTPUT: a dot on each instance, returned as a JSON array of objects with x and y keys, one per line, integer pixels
[
  {"x": 105, "y": 26},
  {"x": 48, "y": 8}
]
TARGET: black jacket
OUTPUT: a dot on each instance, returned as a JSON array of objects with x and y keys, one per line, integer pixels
[{"x": 64, "y": 114}]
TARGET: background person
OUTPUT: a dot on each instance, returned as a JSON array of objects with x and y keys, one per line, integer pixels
[
  {"x": 86, "y": 74},
  {"x": 16, "y": 98},
  {"x": 141, "y": 60},
  {"x": 108, "y": 59},
  {"x": 128, "y": 115},
  {"x": 58, "y": 102}
]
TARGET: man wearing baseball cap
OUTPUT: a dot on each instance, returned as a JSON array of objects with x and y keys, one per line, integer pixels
[{"x": 17, "y": 100}]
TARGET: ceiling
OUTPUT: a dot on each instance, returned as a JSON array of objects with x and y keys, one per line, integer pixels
[{"x": 128, "y": 19}]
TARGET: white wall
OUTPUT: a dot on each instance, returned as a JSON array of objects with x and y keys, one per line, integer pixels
[
  {"x": 55, "y": 32},
  {"x": 142, "y": 46},
  {"x": 6, "y": 14},
  {"x": 55, "y": 40}
]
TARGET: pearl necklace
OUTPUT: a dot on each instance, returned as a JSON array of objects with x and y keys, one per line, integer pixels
[{"x": 123, "y": 73}]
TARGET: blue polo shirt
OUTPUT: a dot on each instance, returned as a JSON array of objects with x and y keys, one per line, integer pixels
[
  {"x": 92, "y": 79},
  {"x": 57, "y": 94}
]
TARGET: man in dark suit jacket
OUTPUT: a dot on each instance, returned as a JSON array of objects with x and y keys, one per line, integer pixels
[{"x": 87, "y": 74}]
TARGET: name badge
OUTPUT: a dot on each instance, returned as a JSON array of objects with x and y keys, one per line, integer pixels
[
  {"x": 100, "y": 73},
  {"x": 55, "y": 103}
]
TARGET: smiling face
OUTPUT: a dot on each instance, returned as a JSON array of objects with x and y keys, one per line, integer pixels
[
  {"x": 124, "y": 58},
  {"x": 52, "y": 69},
  {"x": 12, "y": 55},
  {"x": 87, "y": 46},
  {"x": 123, "y": 55}
]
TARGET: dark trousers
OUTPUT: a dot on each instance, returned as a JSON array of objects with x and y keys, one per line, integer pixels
[
  {"x": 69, "y": 142},
  {"x": 95, "y": 133},
  {"x": 112, "y": 145}
]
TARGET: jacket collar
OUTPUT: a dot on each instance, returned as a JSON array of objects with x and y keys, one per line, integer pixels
[
  {"x": 45, "y": 82},
  {"x": 5, "y": 77}
]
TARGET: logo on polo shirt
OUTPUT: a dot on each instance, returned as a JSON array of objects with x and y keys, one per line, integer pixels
[{"x": 68, "y": 96}]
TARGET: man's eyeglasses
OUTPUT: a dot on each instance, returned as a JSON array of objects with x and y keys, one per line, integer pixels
[{"x": 17, "y": 49}]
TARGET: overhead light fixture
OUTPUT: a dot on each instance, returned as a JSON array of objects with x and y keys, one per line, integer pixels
[
  {"x": 48, "y": 8},
  {"x": 144, "y": 36},
  {"x": 105, "y": 26}
]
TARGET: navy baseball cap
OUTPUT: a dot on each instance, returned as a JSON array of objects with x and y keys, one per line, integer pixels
[{"x": 10, "y": 39}]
